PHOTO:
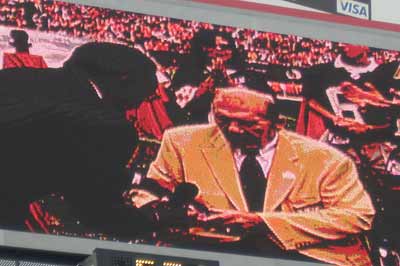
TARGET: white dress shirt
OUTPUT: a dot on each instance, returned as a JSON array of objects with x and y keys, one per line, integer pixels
[{"x": 264, "y": 157}]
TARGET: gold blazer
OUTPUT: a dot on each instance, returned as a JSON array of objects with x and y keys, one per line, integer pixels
[{"x": 314, "y": 202}]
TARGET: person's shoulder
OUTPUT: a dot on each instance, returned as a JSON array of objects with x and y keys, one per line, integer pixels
[
  {"x": 190, "y": 130},
  {"x": 389, "y": 70},
  {"x": 315, "y": 75},
  {"x": 311, "y": 147},
  {"x": 319, "y": 68},
  {"x": 392, "y": 66},
  {"x": 191, "y": 133},
  {"x": 36, "y": 56},
  {"x": 328, "y": 70}
]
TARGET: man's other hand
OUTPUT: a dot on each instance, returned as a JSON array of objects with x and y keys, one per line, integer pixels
[{"x": 236, "y": 221}]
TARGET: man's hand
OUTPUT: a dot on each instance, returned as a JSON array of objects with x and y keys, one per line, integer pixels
[
  {"x": 363, "y": 98},
  {"x": 291, "y": 88},
  {"x": 244, "y": 221},
  {"x": 139, "y": 197},
  {"x": 351, "y": 125},
  {"x": 356, "y": 127}
]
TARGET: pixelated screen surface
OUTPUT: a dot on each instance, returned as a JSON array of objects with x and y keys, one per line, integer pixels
[
  {"x": 152, "y": 130},
  {"x": 7, "y": 262}
]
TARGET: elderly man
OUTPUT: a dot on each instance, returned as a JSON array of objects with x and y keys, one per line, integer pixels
[{"x": 306, "y": 195}]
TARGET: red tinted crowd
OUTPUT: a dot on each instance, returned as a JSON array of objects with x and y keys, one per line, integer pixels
[{"x": 166, "y": 34}]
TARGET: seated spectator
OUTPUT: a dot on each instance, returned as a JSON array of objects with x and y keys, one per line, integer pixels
[{"x": 22, "y": 57}]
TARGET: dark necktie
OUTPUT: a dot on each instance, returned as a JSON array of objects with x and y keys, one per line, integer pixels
[{"x": 253, "y": 182}]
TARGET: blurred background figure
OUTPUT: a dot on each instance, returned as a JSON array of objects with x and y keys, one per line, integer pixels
[
  {"x": 19, "y": 39},
  {"x": 351, "y": 105},
  {"x": 213, "y": 61}
]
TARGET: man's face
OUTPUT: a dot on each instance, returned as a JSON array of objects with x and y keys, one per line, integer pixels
[{"x": 242, "y": 119}]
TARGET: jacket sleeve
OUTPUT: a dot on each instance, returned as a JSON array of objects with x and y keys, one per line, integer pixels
[
  {"x": 167, "y": 169},
  {"x": 346, "y": 210}
]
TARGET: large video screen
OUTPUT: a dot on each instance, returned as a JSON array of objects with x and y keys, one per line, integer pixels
[{"x": 145, "y": 129}]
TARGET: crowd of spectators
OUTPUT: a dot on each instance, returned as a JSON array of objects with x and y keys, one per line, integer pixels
[{"x": 163, "y": 34}]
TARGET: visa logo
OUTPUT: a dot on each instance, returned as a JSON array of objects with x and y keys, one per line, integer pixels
[{"x": 353, "y": 8}]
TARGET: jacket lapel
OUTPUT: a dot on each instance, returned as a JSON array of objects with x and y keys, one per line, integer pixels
[
  {"x": 283, "y": 173},
  {"x": 219, "y": 157}
]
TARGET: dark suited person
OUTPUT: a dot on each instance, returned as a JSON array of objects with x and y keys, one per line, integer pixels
[{"x": 64, "y": 131}]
